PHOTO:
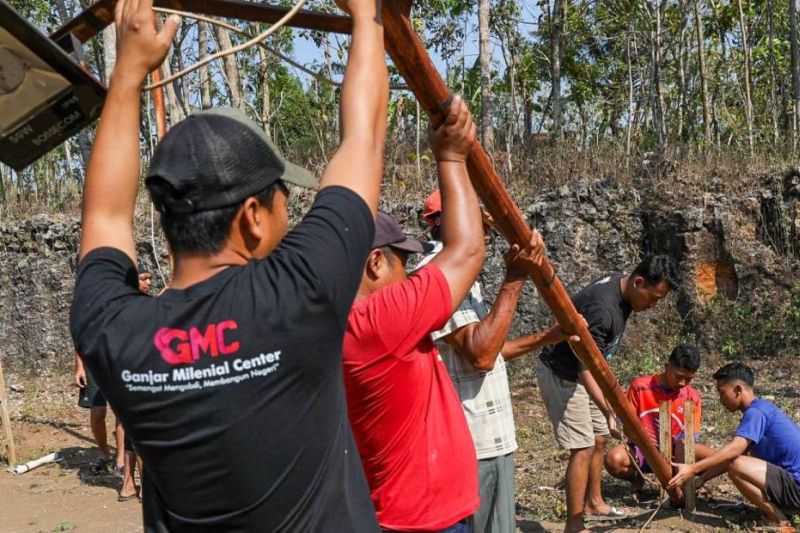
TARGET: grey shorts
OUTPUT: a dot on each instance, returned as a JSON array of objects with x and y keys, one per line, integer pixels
[{"x": 574, "y": 416}]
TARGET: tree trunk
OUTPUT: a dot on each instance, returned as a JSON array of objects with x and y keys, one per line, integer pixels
[
  {"x": 773, "y": 103},
  {"x": 701, "y": 60},
  {"x": 748, "y": 99},
  {"x": 556, "y": 31},
  {"x": 631, "y": 110},
  {"x": 656, "y": 97},
  {"x": 794, "y": 7},
  {"x": 231, "y": 69},
  {"x": 205, "y": 80},
  {"x": 265, "y": 108},
  {"x": 109, "y": 52},
  {"x": 487, "y": 131}
]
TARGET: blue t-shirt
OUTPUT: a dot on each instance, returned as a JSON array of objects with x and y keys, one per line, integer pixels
[{"x": 775, "y": 436}]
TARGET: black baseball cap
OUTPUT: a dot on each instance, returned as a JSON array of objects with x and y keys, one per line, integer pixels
[
  {"x": 216, "y": 158},
  {"x": 389, "y": 233}
]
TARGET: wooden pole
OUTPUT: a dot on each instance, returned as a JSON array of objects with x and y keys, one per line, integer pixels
[
  {"x": 414, "y": 64},
  {"x": 5, "y": 416},
  {"x": 158, "y": 104},
  {"x": 100, "y": 14},
  {"x": 665, "y": 431},
  {"x": 688, "y": 452}
]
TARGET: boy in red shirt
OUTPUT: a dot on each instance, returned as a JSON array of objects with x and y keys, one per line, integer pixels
[{"x": 646, "y": 394}]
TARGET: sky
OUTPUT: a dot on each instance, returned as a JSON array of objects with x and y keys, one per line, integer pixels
[{"x": 307, "y": 53}]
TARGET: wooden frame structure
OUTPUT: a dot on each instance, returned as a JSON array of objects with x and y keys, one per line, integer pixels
[{"x": 414, "y": 64}]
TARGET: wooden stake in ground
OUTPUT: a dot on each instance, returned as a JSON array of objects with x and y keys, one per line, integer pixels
[
  {"x": 5, "y": 415},
  {"x": 688, "y": 457},
  {"x": 665, "y": 431}
]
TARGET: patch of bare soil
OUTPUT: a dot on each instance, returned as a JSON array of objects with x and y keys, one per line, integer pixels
[{"x": 67, "y": 496}]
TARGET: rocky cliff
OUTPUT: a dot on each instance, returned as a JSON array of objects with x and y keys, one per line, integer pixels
[{"x": 733, "y": 246}]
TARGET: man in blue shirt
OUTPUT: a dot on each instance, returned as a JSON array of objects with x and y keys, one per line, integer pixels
[{"x": 770, "y": 476}]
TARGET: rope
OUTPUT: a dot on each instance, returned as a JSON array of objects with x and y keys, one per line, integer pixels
[
  {"x": 660, "y": 503},
  {"x": 283, "y": 57},
  {"x": 255, "y": 40}
]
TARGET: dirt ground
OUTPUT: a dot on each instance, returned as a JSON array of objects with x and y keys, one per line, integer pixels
[{"x": 66, "y": 496}]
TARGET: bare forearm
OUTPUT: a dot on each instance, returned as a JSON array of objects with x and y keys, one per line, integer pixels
[
  {"x": 595, "y": 392},
  {"x": 521, "y": 345},
  {"x": 363, "y": 112},
  {"x": 483, "y": 342},
  {"x": 717, "y": 463},
  {"x": 365, "y": 93},
  {"x": 112, "y": 177},
  {"x": 462, "y": 233}
]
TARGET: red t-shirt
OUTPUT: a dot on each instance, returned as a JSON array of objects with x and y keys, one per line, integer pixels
[
  {"x": 646, "y": 394},
  {"x": 414, "y": 441}
]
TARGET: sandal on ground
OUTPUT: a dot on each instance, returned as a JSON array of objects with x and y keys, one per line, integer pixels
[
  {"x": 121, "y": 498},
  {"x": 612, "y": 514}
]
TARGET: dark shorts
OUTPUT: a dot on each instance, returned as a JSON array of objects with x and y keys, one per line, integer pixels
[
  {"x": 640, "y": 459},
  {"x": 90, "y": 395},
  {"x": 782, "y": 488}
]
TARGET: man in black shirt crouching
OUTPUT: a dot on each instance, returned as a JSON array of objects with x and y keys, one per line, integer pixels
[
  {"x": 580, "y": 415},
  {"x": 230, "y": 383}
]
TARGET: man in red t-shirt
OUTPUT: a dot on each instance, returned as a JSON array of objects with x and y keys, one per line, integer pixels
[
  {"x": 411, "y": 433},
  {"x": 646, "y": 394}
]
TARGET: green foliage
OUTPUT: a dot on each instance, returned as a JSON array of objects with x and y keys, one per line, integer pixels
[{"x": 770, "y": 328}]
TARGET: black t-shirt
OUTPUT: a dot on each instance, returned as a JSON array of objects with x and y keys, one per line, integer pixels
[
  {"x": 232, "y": 389},
  {"x": 602, "y": 306}
]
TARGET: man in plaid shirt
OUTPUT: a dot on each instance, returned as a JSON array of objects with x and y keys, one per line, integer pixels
[{"x": 474, "y": 348}]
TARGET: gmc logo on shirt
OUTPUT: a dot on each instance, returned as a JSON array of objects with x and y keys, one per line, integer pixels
[{"x": 180, "y": 346}]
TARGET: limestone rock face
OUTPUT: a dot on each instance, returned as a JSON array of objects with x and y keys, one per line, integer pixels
[{"x": 730, "y": 246}]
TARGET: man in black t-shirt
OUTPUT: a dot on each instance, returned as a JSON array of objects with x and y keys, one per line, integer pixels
[
  {"x": 230, "y": 383},
  {"x": 580, "y": 415}
]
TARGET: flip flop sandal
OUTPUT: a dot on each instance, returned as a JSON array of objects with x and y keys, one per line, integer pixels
[
  {"x": 612, "y": 515},
  {"x": 121, "y": 498}
]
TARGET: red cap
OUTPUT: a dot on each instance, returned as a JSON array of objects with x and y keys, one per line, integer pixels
[{"x": 432, "y": 207}]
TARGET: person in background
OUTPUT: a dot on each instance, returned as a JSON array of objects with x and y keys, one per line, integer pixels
[
  {"x": 91, "y": 397},
  {"x": 474, "y": 347}
]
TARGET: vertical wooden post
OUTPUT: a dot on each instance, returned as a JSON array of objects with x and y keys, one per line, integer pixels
[
  {"x": 665, "y": 431},
  {"x": 11, "y": 451},
  {"x": 688, "y": 452}
]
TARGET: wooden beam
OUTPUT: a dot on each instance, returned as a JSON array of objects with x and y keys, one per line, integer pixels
[
  {"x": 5, "y": 416},
  {"x": 96, "y": 17},
  {"x": 665, "y": 431},
  {"x": 688, "y": 453},
  {"x": 414, "y": 64}
]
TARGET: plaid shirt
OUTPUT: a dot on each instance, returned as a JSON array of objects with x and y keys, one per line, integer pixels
[{"x": 485, "y": 396}]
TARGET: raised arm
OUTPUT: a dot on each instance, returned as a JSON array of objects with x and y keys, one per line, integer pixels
[
  {"x": 481, "y": 342},
  {"x": 358, "y": 163},
  {"x": 112, "y": 178},
  {"x": 462, "y": 230}
]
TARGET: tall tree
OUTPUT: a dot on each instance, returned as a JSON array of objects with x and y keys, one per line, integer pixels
[
  {"x": 557, "y": 18},
  {"x": 794, "y": 7},
  {"x": 487, "y": 129},
  {"x": 232, "y": 78},
  {"x": 701, "y": 64}
]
